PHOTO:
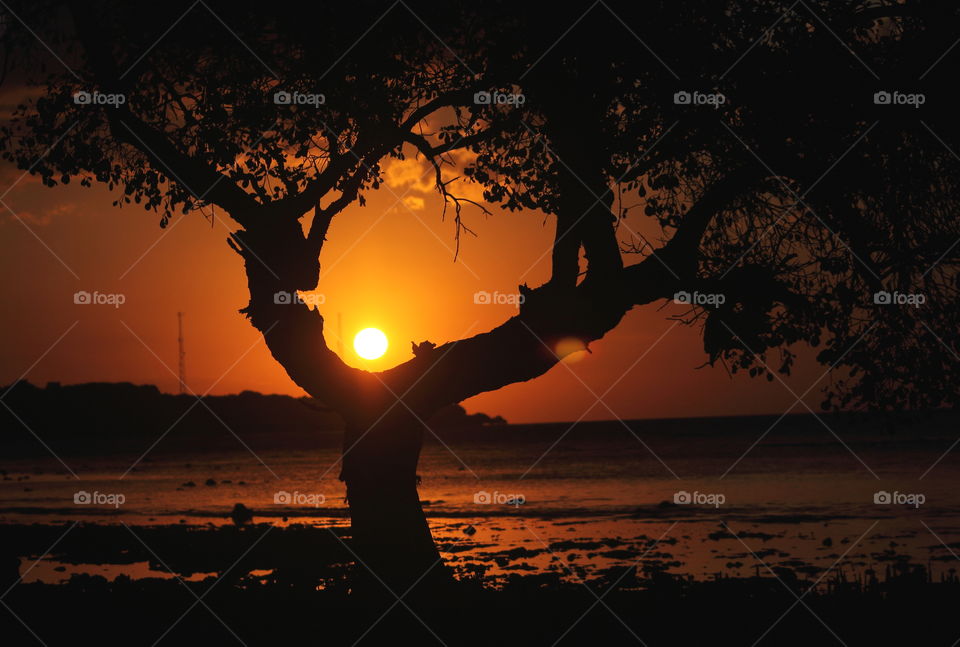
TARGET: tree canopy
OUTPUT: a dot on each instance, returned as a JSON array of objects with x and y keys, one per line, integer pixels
[{"x": 800, "y": 163}]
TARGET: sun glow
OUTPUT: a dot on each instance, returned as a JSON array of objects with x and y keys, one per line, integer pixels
[{"x": 370, "y": 343}]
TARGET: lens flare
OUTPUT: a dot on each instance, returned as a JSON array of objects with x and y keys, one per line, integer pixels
[{"x": 571, "y": 350}]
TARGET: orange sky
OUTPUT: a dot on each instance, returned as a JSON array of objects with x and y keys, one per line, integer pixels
[{"x": 388, "y": 265}]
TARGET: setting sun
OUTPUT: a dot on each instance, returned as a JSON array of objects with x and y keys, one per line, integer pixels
[{"x": 370, "y": 343}]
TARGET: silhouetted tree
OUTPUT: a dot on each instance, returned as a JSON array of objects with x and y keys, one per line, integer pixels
[{"x": 797, "y": 198}]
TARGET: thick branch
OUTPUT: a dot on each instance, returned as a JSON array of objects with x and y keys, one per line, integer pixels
[
  {"x": 681, "y": 252},
  {"x": 432, "y": 151},
  {"x": 279, "y": 261},
  {"x": 525, "y": 346}
]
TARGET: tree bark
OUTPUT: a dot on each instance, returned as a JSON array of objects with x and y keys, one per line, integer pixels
[{"x": 390, "y": 532}]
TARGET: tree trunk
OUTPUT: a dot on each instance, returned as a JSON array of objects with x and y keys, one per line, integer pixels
[{"x": 391, "y": 536}]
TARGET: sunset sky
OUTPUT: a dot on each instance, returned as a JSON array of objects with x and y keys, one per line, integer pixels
[
  {"x": 388, "y": 265},
  {"x": 190, "y": 268}
]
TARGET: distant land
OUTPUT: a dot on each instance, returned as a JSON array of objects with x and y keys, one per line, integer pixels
[{"x": 100, "y": 417}]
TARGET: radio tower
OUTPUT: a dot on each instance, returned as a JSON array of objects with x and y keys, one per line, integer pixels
[{"x": 183, "y": 354}]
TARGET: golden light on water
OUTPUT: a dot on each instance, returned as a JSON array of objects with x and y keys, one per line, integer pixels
[{"x": 370, "y": 343}]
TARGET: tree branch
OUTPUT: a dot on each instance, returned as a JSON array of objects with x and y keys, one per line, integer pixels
[{"x": 196, "y": 176}]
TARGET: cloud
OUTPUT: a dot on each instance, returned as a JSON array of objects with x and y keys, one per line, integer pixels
[
  {"x": 417, "y": 175},
  {"x": 466, "y": 188},
  {"x": 414, "y": 203},
  {"x": 28, "y": 217},
  {"x": 42, "y": 219},
  {"x": 409, "y": 173}
]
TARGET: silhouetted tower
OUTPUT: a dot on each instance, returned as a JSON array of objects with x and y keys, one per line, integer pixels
[
  {"x": 182, "y": 354},
  {"x": 340, "y": 334}
]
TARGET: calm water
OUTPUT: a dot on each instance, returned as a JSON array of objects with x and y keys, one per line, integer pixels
[{"x": 531, "y": 499}]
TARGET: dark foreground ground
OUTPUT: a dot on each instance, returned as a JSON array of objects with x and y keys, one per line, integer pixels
[
  {"x": 726, "y": 613},
  {"x": 295, "y": 586}
]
